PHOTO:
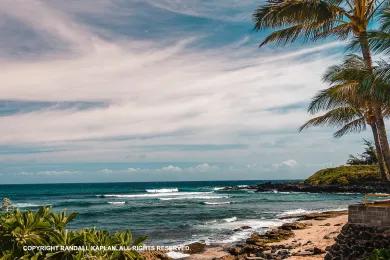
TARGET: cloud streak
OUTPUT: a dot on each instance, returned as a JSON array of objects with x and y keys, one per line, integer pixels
[{"x": 153, "y": 101}]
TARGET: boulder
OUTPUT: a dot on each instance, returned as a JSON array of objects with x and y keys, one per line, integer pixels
[
  {"x": 293, "y": 226},
  {"x": 196, "y": 248}
]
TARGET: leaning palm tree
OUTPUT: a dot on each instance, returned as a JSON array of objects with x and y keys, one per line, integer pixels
[
  {"x": 313, "y": 20},
  {"x": 346, "y": 108},
  {"x": 378, "y": 38}
]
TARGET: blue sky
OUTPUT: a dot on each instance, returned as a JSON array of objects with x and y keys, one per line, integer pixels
[{"x": 159, "y": 90}]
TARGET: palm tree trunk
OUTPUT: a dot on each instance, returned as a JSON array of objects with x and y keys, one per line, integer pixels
[
  {"x": 382, "y": 136},
  {"x": 365, "y": 49},
  {"x": 382, "y": 168},
  {"x": 379, "y": 123}
]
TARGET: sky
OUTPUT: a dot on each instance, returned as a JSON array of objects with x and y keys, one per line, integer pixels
[{"x": 156, "y": 90}]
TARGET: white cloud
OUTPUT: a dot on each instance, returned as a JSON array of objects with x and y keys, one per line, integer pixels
[
  {"x": 227, "y": 10},
  {"x": 171, "y": 168},
  {"x": 204, "y": 167},
  {"x": 47, "y": 173},
  {"x": 290, "y": 163},
  {"x": 133, "y": 170},
  {"x": 106, "y": 171},
  {"x": 192, "y": 91},
  {"x": 156, "y": 94}
]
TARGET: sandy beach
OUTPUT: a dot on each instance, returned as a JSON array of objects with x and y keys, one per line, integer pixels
[
  {"x": 307, "y": 243},
  {"x": 318, "y": 234}
]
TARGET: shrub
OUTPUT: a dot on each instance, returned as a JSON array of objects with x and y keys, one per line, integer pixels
[
  {"x": 345, "y": 175},
  {"x": 47, "y": 228},
  {"x": 380, "y": 254}
]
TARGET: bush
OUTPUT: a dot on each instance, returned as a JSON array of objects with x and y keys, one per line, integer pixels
[
  {"x": 47, "y": 228},
  {"x": 380, "y": 254}
]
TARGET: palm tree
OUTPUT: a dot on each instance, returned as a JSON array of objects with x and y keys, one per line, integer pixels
[
  {"x": 312, "y": 20},
  {"x": 379, "y": 38},
  {"x": 346, "y": 107}
]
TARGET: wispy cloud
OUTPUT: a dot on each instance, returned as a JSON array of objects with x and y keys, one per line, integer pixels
[
  {"x": 152, "y": 100},
  {"x": 228, "y": 10}
]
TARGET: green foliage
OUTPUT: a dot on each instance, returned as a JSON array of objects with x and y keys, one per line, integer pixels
[
  {"x": 368, "y": 157},
  {"x": 380, "y": 254},
  {"x": 314, "y": 20},
  {"x": 48, "y": 228},
  {"x": 346, "y": 104},
  {"x": 345, "y": 175}
]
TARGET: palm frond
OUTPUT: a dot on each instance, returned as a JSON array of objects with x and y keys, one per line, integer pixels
[
  {"x": 336, "y": 117},
  {"x": 356, "y": 125},
  {"x": 308, "y": 19},
  {"x": 335, "y": 96}
]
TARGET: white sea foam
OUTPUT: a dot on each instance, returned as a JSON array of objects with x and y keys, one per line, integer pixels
[
  {"x": 242, "y": 186},
  {"x": 117, "y": 202},
  {"x": 216, "y": 203},
  {"x": 26, "y": 205},
  {"x": 166, "y": 190},
  {"x": 233, "y": 223},
  {"x": 203, "y": 197},
  {"x": 155, "y": 195},
  {"x": 232, "y": 219},
  {"x": 176, "y": 255},
  {"x": 218, "y": 188},
  {"x": 296, "y": 212}
]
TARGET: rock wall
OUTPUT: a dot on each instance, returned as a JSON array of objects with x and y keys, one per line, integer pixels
[{"x": 368, "y": 228}]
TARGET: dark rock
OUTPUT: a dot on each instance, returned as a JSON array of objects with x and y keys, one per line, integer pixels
[
  {"x": 235, "y": 250},
  {"x": 370, "y": 187},
  {"x": 357, "y": 242},
  {"x": 246, "y": 227},
  {"x": 196, "y": 248},
  {"x": 318, "y": 251},
  {"x": 293, "y": 226}
]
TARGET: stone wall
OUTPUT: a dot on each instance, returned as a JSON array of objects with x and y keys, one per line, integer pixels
[
  {"x": 368, "y": 228},
  {"x": 377, "y": 216}
]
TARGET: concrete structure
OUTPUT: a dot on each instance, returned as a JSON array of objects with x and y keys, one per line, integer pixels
[
  {"x": 376, "y": 214},
  {"x": 368, "y": 228}
]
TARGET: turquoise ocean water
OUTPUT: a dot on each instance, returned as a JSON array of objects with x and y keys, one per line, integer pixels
[{"x": 173, "y": 213}]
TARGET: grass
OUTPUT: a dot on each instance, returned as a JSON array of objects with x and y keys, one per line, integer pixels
[{"x": 345, "y": 175}]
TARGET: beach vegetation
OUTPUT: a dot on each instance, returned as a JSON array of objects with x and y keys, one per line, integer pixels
[
  {"x": 380, "y": 254},
  {"x": 21, "y": 232},
  {"x": 345, "y": 175},
  {"x": 368, "y": 157}
]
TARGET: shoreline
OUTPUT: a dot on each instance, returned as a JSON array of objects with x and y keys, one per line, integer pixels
[{"x": 306, "y": 237}]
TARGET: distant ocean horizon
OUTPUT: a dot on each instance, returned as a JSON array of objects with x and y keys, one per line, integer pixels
[{"x": 174, "y": 213}]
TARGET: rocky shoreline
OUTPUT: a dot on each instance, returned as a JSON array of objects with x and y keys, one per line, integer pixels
[
  {"x": 373, "y": 187},
  {"x": 280, "y": 243}
]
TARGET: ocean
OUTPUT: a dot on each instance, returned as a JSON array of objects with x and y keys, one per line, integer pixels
[{"x": 174, "y": 213}]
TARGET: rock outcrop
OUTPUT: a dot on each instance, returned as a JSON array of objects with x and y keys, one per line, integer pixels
[{"x": 358, "y": 241}]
